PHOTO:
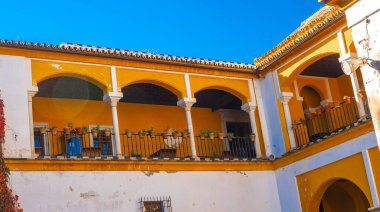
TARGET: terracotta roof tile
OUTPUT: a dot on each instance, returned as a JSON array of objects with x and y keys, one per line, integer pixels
[{"x": 310, "y": 27}]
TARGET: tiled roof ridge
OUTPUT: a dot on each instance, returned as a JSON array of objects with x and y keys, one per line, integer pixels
[
  {"x": 127, "y": 54},
  {"x": 310, "y": 27}
]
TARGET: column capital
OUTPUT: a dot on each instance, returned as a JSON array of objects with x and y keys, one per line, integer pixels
[
  {"x": 32, "y": 92},
  {"x": 112, "y": 98},
  {"x": 285, "y": 96},
  {"x": 186, "y": 103},
  {"x": 249, "y": 106}
]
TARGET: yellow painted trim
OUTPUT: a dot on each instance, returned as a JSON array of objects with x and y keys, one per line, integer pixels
[
  {"x": 110, "y": 165},
  {"x": 324, "y": 145}
]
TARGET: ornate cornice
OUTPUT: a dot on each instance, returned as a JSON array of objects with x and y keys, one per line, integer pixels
[
  {"x": 127, "y": 54},
  {"x": 309, "y": 28}
]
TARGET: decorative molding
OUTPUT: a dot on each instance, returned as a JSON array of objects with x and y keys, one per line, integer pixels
[
  {"x": 249, "y": 106},
  {"x": 112, "y": 98},
  {"x": 285, "y": 97},
  {"x": 186, "y": 103},
  {"x": 299, "y": 98}
]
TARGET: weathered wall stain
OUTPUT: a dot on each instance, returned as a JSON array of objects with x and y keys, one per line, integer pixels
[{"x": 89, "y": 195}]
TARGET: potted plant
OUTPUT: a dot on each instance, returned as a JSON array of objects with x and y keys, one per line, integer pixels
[
  {"x": 347, "y": 99},
  {"x": 54, "y": 130},
  {"x": 151, "y": 132},
  {"x": 230, "y": 136},
  {"x": 175, "y": 133},
  {"x": 202, "y": 134},
  {"x": 128, "y": 133},
  {"x": 252, "y": 137},
  {"x": 42, "y": 130},
  {"x": 185, "y": 133},
  {"x": 142, "y": 133},
  {"x": 107, "y": 132},
  {"x": 303, "y": 121},
  {"x": 211, "y": 134},
  {"x": 221, "y": 136},
  {"x": 67, "y": 129},
  {"x": 78, "y": 130},
  {"x": 95, "y": 131},
  {"x": 84, "y": 130},
  {"x": 294, "y": 124}
]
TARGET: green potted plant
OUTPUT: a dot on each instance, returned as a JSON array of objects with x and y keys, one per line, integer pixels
[
  {"x": 67, "y": 129},
  {"x": 84, "y": 130},
  {"x": 142, "y": 133},
  {"x": 78, "y": 130},
  {"x": 107, "y": 132},
  {"x": 185, "y": 133},
  {"x": 211, "y": 134},
  {"x": 95, "y": 131},
  {"x": 175, "y": 133},
  {"x": 128, "y": 133},
  {"x": 202, "y": 134},
  {"x": 230, "y": 136},
  {"x": 151, "y": 132}
]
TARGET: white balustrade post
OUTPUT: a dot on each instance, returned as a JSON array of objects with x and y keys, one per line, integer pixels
[
  {"x": 250, "y": 109},
  {"x": 186, "y": 104},
  {"x": 284, "y": 98},
  {"x": 31, "y": 93},
  {"x": 113, "y": 98}
]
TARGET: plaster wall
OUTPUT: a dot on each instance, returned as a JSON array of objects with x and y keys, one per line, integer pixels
[
  {"x": 120, "y": 191},
  {"x": 364, "y": 20},
  {"x": 14, "y": 84},
  {"x": 287, "y": 176},
  {"x": 272, "y": 115}
]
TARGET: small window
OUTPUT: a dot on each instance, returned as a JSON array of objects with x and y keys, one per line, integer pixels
[{"x": 155, "y": 204}]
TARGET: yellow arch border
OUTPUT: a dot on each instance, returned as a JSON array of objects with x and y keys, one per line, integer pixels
[{"x": 158, "y": 83}]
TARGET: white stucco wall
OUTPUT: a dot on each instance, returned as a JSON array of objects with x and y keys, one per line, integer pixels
[
  {"x": 286, "y": 176},
  {"x": 120, "y": 191},
  {"x": 272, "y": 115},
  {"x": 13, "y": 85}
]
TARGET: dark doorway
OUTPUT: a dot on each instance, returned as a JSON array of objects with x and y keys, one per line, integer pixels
[
  {"x": 239, "y": 129},
  {"x": 240, "y": 144}
]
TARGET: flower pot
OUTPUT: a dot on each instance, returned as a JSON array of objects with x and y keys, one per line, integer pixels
[
  {"x": 185, "y": 134},
  {"x": 211, "y": 136},
  {"x": 310, "y": 115},
  {"x": 107, "y": 133},
  {"x": 94, "y": 134},
  {"x": 151, "y": 134},
  {"x": 252, "y": 137},
  {"x": 230, "y": 136},
  {"x": 129, "y": 134},
  {"x": 78, "y": 130},
  {"x": 175, "y": 135},
  {"x": 165, "y": 135},
  {"x": 141, "y": 134},
  {"x": 54, "y": 131},
  {"x": 66, "y": 130},
  {"x": 202, "y": 137},
  {"x": 220, "y": 136},
  {"x": 42, "y": 130}
]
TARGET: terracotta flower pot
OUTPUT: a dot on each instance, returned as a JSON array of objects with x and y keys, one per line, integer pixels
[
  {"x": 165, "y": 135},
  {"x": 78, "y": 130},
  {"x": 151, "y": 134},
  {"x": 202, "y": 137},
  {"x": 42, "y": 130},
  {"x": 94, "y": 134},
  {"x": 221, "y": 136},
  {"x": 252, "y": 137},
  {"x": 107, "y": 133},
  {"x": 211, "y": 136},
  {"x": 54, "y": 131},
  {"x": 67, "y": 130},
  {"x": 175, "y": 135},
  {"x": 129, "y": 134}
]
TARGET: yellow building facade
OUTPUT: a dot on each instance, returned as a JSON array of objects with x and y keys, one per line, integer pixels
[{"x": 94, "y": 128}]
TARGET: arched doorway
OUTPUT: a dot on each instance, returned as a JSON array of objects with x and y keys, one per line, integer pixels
[
  {"x": 343, "y": 196},
  {"x": 311, "y": 97},
  {"x": 234, "y": 122}
]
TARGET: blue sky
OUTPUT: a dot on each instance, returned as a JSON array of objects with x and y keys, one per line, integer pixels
[{"x": 234, "y": 30}]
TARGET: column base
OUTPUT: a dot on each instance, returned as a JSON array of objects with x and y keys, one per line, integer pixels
[{"x": 374, "y": 209}]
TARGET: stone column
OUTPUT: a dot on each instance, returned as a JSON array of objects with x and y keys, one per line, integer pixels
[
  {"x": 186, "y": 104},
  {"x": 358, "y": 98},
  {"x": 284, "y": 98},
  {"x": 31, "y": 93},
  {"x": 250, "y": 109},
  {"x": 113, "y": 98}
]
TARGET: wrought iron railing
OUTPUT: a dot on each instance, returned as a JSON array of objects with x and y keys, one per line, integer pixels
[
  {"x": 74, "y": 144},
  {"x": 327, "y": 121}
]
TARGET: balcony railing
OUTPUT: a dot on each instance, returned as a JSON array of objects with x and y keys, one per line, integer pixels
[
  {"x": 74, "y": 144},
  {"x": 327, "y": 120},
  {"x": 144, "y": 147}
]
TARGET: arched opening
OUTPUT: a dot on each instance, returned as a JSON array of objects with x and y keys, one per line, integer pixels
[
  {"x": 234, "y": 122},
  {"x": 64, "y": 108},
  {"x": 343, "y": 196},
  {"x": 311, "y": 97},
  {"x": 69, "y": 88},
  {"x": 327, "y": 103}
]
